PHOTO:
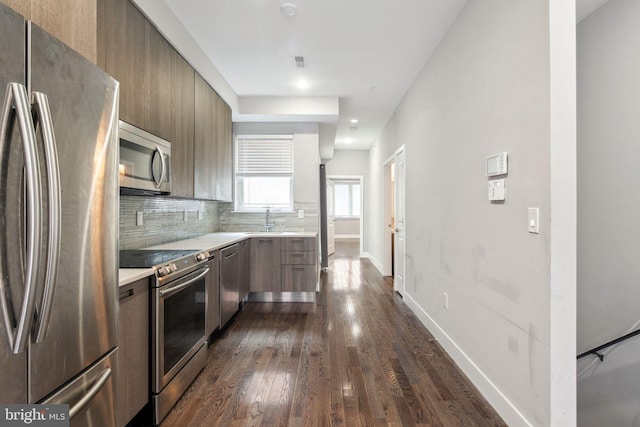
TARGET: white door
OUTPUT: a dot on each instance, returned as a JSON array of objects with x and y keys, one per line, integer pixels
[
  {"x": 399, "y": 235},
  {"x": 331, "y": 225}
]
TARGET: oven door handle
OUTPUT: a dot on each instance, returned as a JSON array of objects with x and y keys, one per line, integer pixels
[{"x": 178, "y": 288}]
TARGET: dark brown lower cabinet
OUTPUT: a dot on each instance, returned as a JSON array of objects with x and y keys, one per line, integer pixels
[
  {"x": 299, "y": 278},
  {"x": 299, "y": 264},
  {"x": 230, "y": 275},
  {"x": 133, "y": 350},
  {"x": 212, "y": 319},
  {"x": 266, "y": 256},
  {"x": 245, "y": 266}
]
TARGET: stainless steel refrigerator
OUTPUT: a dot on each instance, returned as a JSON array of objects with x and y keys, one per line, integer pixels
[{"x": 58, "y": 225}]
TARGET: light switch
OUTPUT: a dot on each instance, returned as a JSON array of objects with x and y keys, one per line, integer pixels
[
  {"x": 200, "y": 215},
  {"x": 300, "y": 213},
  {"x": 534, "y": 220},
  {"x": 139, "y": 218},
  {"x": 497, "y": 190}
]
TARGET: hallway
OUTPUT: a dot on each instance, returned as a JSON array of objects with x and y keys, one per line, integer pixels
[{"x": 357, "y": 357}]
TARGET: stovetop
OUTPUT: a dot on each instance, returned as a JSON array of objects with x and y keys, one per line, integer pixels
[{"x": 147, "y": 258}]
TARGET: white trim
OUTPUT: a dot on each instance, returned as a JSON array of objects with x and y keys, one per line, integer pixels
[
  {"x": 373, "y": 260},
  {"x": 562, "y": 221},
  {"x": 507, "y": 410},
  {"x": 346, "y": 236},
  {"x": 277, "y": 136},
  {"x": 386, "y": 232}
]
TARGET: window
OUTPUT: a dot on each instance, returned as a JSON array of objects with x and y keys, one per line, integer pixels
[
  {"x": 264, "y": 172},
  {"x": 346, "y": 199}
]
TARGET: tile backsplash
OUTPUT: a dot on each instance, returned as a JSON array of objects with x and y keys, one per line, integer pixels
[
  {"x": 164, "y": 220},
  {"x": 289, "y": 221}
]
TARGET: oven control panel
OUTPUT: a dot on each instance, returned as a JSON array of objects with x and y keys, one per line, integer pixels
[
  {"x": 181, "y": 264},
  {"x": 167, "y": 269},
  {"x": 202, "y": 256}
]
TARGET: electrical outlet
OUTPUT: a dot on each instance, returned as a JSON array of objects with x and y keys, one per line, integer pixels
[
  {"x": 300, "y": 213},
  {"x": 139, "y": 218},
  {"x": 445, "y": 300},
  {"x": 200, "y": 215}
]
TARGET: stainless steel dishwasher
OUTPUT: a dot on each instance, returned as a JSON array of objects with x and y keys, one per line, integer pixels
[{"x": 230, "y": 271}]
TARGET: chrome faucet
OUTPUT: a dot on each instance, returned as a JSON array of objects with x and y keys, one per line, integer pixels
[{"x": 268, "y": 226}]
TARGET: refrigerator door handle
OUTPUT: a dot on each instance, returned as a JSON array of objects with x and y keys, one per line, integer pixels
[
  {"x": 43, "y": 114},
  {"x": 91, "y": 393},
  {"x": 17, "y": 102}
]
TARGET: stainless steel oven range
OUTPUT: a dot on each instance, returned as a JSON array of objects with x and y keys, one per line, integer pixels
[{"x": 178, "y": 341}]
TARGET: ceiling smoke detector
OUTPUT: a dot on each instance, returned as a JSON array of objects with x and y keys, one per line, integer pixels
[{"x": 289, "y": 9}]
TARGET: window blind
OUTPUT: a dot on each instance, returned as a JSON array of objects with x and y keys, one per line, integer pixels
[{"x": 264, "y": 156}]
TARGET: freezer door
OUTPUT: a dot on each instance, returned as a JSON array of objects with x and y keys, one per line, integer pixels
[
  {"x": 83, "y": 102},
  {"x": 13, "y": 375},
  {"x": 91, "y": 396}
]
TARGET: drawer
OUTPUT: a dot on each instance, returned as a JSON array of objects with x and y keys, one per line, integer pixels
[
  {"x": 299, "y": 278},
  {"x": 299, "y": 244},
  {"x": 298, "y": 257}
]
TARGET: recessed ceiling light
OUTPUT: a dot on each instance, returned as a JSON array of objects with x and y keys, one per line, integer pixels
[
  {"x": 354, "y": 121},
  {"x": 302, "y": 84},
  {"x": 289, "y": 9},
  {"x": 348, "y": 141}
]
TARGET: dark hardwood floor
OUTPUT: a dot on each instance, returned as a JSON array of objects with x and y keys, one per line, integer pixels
[{"x": 357, "y": 357}]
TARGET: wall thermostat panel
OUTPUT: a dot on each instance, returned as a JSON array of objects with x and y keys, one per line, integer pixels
[{"x": 497, "y": 164}]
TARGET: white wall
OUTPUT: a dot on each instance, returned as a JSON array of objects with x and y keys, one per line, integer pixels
[
  {"x": 350, "y": 163},
  {"x": 306, "y": 167},
  {"x": 306, "y": 182},
  {"x": 609, "y": 206},
  {"x": 486, "y": 89}
]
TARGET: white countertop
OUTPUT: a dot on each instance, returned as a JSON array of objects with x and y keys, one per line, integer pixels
[
  {"x": 206, "y": 242},
  {"x": 130, "y": 275}
]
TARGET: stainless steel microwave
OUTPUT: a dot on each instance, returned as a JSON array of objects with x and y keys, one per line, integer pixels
[{"x": 145, "y": 162}]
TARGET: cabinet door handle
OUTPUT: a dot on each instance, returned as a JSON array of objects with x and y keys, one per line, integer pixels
[
  {"x": 298, "y": 268},
  {"x": 126, "y": 294},
  {"x": 298, "y": 255},
  {"x": 265, "y": 240},
  {"x": 230, "y": 255}
]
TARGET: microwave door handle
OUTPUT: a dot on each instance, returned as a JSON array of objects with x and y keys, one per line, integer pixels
[
  {"x": 41, "y": 104},
  {"x": 163, "y": 166},
  {"x": 163, "y": 162},
  {"x": 16, "y": 99}
]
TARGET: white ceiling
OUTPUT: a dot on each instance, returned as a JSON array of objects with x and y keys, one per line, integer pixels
[{"x": 362, "y": 53}]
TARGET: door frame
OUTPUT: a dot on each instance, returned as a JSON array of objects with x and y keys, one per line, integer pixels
[
  {"x": 387, "y": 263},
  {"x": 359, "y": 178}
]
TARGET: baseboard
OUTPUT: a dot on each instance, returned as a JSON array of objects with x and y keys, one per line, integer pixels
[
  {"x": 507, "y": 410},
  {"x": 346, "y": 236},
  {"x": 373, "y": 260}
]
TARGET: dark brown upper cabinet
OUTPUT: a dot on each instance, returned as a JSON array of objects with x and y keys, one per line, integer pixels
[
  {"x": 71, "y": 21},
  {"x": 182, "y": 127},
  {"x": 213, "y": 162}
]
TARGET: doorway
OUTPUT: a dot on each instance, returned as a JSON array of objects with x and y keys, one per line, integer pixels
[
  {"x": 345, "y": 203},
  {"x": 394, "y": 216}
]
